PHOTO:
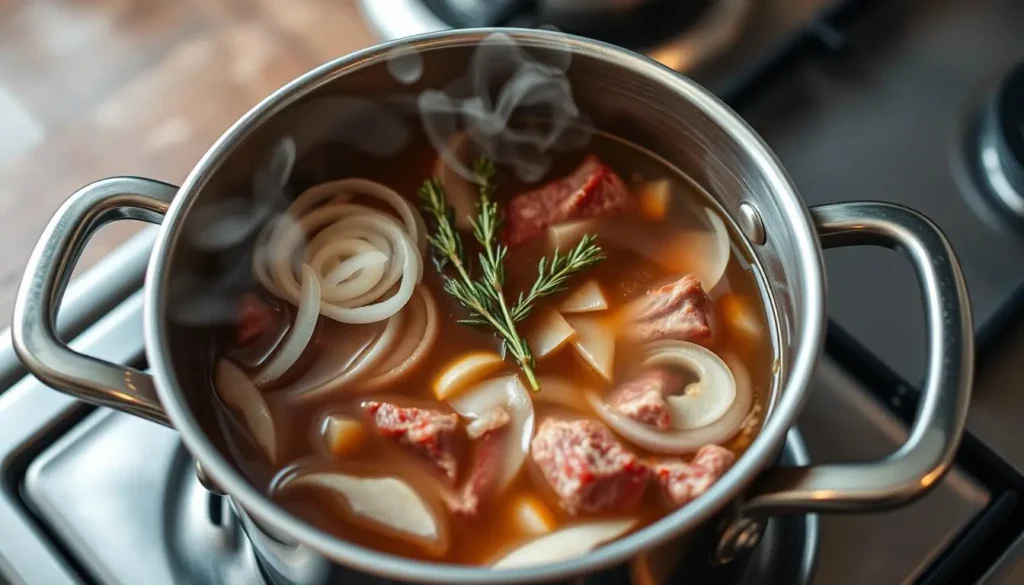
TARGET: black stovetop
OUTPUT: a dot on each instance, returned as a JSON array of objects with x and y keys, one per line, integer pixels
[{"x": 860, "y": 99}]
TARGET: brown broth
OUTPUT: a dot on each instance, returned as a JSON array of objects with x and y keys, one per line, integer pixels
[{"x": 624, "y": 274}]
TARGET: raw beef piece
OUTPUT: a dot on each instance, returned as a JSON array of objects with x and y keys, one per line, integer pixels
[
  {"x": 427, "y": 433},
  {"x": 254, "y": 319},
  {"x": 684, "y": 482},
  {"x": 592, "y": 189},
  {"x": 587, "y": 467},
  {"x": 643, "y": 397},
  {"x": 489, "y": 433},
  {"x": 680, "y": 310}
]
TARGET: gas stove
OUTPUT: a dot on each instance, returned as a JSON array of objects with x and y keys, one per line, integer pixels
[{"x": 913, "y": 101}]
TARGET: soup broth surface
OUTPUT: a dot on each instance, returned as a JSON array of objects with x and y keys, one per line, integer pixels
[{"x": 644, "y": 253}]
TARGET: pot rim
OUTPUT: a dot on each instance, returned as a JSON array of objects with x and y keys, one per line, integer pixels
[{"x": 759, "y": 455}]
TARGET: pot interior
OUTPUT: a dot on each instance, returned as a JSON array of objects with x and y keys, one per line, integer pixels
[{"x": 368, "y": 107}]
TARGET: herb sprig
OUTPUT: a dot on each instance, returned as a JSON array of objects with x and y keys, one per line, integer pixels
[
  {"x": 484, "y": 297},
  {"x": 552, "y": 275}
]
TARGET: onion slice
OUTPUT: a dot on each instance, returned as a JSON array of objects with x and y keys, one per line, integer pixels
[
  {"x": 238, "y": 393},
  {"x": 564, "y": 236},
  {"x": 417, "y": 338},
  {"x": 358, "y": 252},
  {"x": 680, "y": 442},
  {"x": 383, "y": 504},
  {"x": 465, "y": 371},
  {"x": 318, "y": 382},
  {"x": 547, "y": 332},
  {"x": 566, "y": 543},
  {"x": 705, "y": 401},
  {"x": 720, "y": 249},
  {"x": 300, "y": 333},
  {"x": 461, "y": 193},
  {"x": 587, "y": 297},
  {"x": 594, "y": 342},
  {"x": 507, "y": 392}
]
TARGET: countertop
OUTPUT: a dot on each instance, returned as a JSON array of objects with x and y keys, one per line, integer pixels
[{"x": 96, "y": 88}]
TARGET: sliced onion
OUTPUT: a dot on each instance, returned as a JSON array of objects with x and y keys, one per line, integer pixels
[
  {"x": 679, "y": 442},
  {"x": 300, "y": 333},
  {"x": 704, "y": 252},
  {"x": 451, "y": 171},
  {"x": 566, "y": 543},
  {"x": 507, "y": 392},
  {"x": 417, "y": 338},
  {"x": 547, "y": 332},
  {"x": 705, "y": 401},
  {"x": 586, "y": 298},
  {"x": 358, "y": 253},
  {"x": 332, "y": 377},
  {"x": 565, "y": 236},
  {"x": 337, "y": 354},
  {"x": 384, "y": 504},
  {"x": 594, "y": 342},
  {"x": 466, "y": 371},
  {"x": 364, "y": 360},
  {"x": 563, "y": 393},
  {"x": 719, "y": 250},
  {"x": 238, "y": 393}
]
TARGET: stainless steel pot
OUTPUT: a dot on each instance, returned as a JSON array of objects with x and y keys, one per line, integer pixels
[{"x": 625, "y": 94}]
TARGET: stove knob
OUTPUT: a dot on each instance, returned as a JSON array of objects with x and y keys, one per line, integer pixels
[{"x": 1002, "y": 142}]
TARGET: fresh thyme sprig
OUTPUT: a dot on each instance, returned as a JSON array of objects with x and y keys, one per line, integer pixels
[
  {"x": 552, "y": 275},
  {"x": 484, "y": 297}
]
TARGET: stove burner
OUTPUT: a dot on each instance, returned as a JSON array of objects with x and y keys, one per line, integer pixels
[
  {"x": 681, "y": 35},
  {"x": 1002, "y": 142}
]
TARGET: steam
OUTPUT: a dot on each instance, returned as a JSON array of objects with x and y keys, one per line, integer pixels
[
  {"x": 227, "y": 223},
  {"x": 511, "y": 105},
  {"x": 504, "y": 81}
]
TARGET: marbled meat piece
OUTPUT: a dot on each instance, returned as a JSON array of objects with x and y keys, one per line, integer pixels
[
  {"x": 683, "y": 482},
  {"x": 427, "y": 433},
  {"x": 642, "y": 398},
  {"x": 255, "y": 317},
  {"x": 587, "y": 467},
  {"x": 491, "y": 439},
  {"x": 680, "y": 310},
  {"x": 592, "y": 189}
]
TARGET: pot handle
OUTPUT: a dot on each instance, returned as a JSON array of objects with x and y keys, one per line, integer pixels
[
  {"x": 42, "y": 289},
  {"x": 929, "y": 450}
]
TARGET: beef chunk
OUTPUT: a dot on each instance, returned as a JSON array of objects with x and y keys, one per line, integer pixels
[
  {"x": 643, "y": 397},
  {"x": 254, "y": 319},
  {"x": 680, "y": 310},
  {"x": 427, "y": 433},
  {"x": 491, "y": 437},
  {"x": 587, "y": 467},
  {"x": 592, "y": 189},
  {"x": 684, "y": 482}
]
